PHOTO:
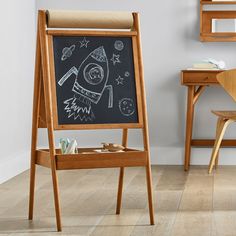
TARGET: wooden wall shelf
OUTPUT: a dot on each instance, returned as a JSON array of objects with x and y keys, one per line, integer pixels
[
  {"x": 218, "y": 2},
  {"x": 218, "y": 37},
  {"x": 206, "y": 17}
]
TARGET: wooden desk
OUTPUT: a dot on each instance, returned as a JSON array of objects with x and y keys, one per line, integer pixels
[{"x": 196, "y": 81}]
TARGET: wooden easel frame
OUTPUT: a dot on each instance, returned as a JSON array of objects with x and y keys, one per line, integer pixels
[{"x": 44, "y": 117}]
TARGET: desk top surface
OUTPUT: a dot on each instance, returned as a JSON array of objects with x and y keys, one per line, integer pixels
[{"x": 201, "y": 71}]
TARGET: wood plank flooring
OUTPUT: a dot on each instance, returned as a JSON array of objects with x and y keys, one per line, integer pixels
[{"x": 191, "y": 204}]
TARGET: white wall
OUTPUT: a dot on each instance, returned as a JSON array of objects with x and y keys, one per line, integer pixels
[
  {"x": 17, "y": 43},
  {"x": 170, "y": 36}
]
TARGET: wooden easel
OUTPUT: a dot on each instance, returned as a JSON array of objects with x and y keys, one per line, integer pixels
[{"x": 44, "y": 117}]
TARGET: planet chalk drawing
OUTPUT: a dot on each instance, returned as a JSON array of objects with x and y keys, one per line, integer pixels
[
  {"x": 67, "y": 52},
  {"x": 126, "y": 106}
]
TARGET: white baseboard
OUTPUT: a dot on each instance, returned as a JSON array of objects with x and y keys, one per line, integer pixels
[
  {"x": 199, "y": 156},
  {"x": 14, "y": 165}
]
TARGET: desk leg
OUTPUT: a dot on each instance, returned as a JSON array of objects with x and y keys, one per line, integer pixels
[{"x": 189, "y": 126}]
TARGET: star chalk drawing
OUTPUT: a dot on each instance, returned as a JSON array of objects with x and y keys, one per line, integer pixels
[
  {"x": 119, "y": 80},
  {"x": 84, "y": 43},
  {"x": 115, "y": 59}
]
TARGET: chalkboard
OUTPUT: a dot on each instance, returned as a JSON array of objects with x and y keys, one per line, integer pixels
[{"x": 95, "y": 80}]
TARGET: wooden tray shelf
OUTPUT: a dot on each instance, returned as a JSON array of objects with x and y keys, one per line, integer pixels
[{"x": 87, "y": 158}]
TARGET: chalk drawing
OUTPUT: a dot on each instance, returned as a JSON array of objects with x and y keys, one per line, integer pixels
[
  {"x": 84, "y": 43},
  {"x": 126, "y": 106},
  {"x": 90, "y": 83},
  {"x": 83, "y": 113},
  {"x": 127, "y": 74},
  {"x": 67, "y": 52},
  {"x": 119, "y": 45},
  {"x": 115, "y": 59},
  {"x": 119, "y": 80}
]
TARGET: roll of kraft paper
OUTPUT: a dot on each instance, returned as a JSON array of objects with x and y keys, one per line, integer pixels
[{"x": 89, "y": 19}]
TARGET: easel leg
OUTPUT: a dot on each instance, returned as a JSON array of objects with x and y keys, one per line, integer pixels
[
  {"x": 149, "y": 190},
  {"x": 36, "y": 104},
  {"x": 56, "y": 196},
  {"x": 148, "y": 176},
  {"x": 121, "y": 177},
  {"x": 32, "y": 187},
  {"x": 48, "y": 108},
  {"x": 120, "y": 189},
  {"x": 189, "y": 126}
]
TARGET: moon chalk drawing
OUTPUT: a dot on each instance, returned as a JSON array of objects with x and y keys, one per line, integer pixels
[
  {"x": 119, "y": 45},
  {"x": 84, "y": 43},
  {"x": 90, "y": 83},
  {"x": 67, "y": 52},
  {"x": 115, "y": 59},
  {"x": 126, "y": 106},
  {"x": 119, "y": 80}
]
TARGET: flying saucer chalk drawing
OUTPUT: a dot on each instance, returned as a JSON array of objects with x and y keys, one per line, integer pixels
[
  {"x": 119, "y": 80},
  {"x": 67, "y": 52},
  {"x": 127, "y": 74},
  {"x": 84, "y": 43},
  {"x": 119, "y": 45},
  {"x": 115, "y": 59},
  {"x": 126, "y": 106},
  {"x": 90, "y": 83}
]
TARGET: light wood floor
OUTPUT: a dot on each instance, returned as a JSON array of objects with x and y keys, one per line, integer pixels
[{"x": 193, "y": 203}]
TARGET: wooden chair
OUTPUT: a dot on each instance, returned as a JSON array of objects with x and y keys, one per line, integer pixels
[{"x": 227, "y": 80}]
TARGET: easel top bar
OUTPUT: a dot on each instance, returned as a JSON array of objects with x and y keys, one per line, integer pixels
[
  {"x": 89, "y": 19},
  {"x": 90, "y": 33}
]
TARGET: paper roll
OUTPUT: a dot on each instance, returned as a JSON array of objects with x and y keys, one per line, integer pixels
[{"x": 89, "y": 19}]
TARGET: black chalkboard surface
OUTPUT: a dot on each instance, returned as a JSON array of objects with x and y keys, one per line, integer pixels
[{"x": 95, "y": 80}]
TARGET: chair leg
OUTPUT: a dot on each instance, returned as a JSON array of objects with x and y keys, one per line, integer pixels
[
  {"x": 219, "y": 136},
  {"x": 217, "y": 155},
  {"x": 217, "y": 159}
]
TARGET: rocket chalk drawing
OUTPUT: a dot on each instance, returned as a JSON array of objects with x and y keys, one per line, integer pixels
[{"x": 90, "y": 83}]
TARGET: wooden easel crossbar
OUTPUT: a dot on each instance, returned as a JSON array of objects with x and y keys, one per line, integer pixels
[{"x": 45, "y": 116}]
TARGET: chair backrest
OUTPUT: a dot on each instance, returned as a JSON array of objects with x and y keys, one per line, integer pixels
[{"x": 227, "y": 80}]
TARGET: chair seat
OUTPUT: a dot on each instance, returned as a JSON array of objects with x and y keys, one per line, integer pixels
[{"x": 226, "y": 114}]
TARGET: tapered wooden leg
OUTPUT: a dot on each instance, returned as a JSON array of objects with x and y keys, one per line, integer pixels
[
  {"x": 221, "y": 130},
  {"x": 32, "y": 187},
  {"x": 121, "y": 177},
  {"x": 149, "y": 190},
  {"x": 217, "y": 155},
  {"x": 120, "y": 190},
  {"x": 145, "y": 122},
  {"x": 56, "y": 197},
  {"x": 189, "y": 126},
  {"x": 44, "y": 42},
  {"x": 36, "y": 104}
]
